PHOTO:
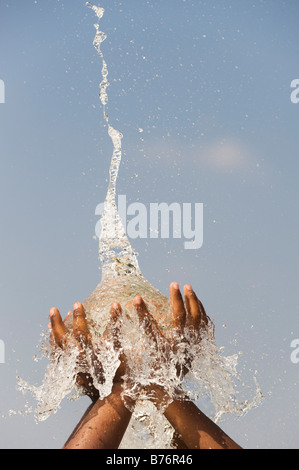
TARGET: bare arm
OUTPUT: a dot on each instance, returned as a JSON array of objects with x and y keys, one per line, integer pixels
[
  {"x": 105, "y": 421},
  {"x": 194, "y": 428},
  {"x": 104, "y": 424}
]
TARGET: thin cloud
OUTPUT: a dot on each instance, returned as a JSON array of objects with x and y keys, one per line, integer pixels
[{"x": 226, "y": 155}]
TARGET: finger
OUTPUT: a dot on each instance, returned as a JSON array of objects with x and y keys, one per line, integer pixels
[
  {"x": 113, "y": 328},
  {"x": 145, "y": 318},
  {"x": 192, "y": 307},
  {"x": 197, "y": 317},
  {"x": 115, "y": 331},
  {"x": 68, "y": 315},
  {"x": 59, "y": 330},
  {"x": 115, "y": 312},
  {"x": 178, "y": 307},
  {"x": 204, "y": 319},
  {"x": 80, "y": 327}
]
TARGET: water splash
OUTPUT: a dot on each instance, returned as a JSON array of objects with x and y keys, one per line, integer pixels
[
  {"x": 115, "y": 251},
  {"x": 211, "y": 373}
]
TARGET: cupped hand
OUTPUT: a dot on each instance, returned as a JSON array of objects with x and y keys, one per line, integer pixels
[
  {"x": 79, "y": 336},
  {"x": 189, "y": 323}
]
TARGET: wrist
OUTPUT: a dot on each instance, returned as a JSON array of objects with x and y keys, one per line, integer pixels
[
  {"x": 118, "y": 390},
  {"x": 158, "y": 396}
]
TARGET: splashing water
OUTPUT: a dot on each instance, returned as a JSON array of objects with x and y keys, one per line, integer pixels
[
  {"x": 115, "y": 251},
  {"x": 211, "y": 374}
]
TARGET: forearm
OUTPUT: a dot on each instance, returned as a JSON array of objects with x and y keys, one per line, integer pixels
[
  {"x": 195, "y": 428},
  {"x": 103, "y": 425}
]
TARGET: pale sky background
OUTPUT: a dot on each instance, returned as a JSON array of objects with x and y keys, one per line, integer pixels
[{"x": 209, "y": 84}]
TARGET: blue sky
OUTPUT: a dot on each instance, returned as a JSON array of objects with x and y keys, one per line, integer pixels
[{"x": 209, "y": 84}]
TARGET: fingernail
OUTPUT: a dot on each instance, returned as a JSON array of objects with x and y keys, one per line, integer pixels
[
  {"x": 188, "y": 287},
  {"x": 116, "y": 306},
  {"x": 138, "y": 300},
  {"x": 77, "y": 305},
  {"x": 175, "y": 285},
  {"x": 52, "y": 312}
]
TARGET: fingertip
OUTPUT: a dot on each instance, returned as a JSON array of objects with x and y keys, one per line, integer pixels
[
  {"x": 188, "y": 287},
  {"x": 115, "y": 311},
  {"x": 78, "y": 312},
  {"x": 138, "y": 301},
  {"x": 53, "y": 312},
  {"x": 77, "y": 305},
  {"x": 116, "y": 306},
  {"x": 174, "y": 285}
]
